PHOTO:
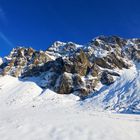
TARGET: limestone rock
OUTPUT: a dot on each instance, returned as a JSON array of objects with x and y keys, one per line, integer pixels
[{"x": 64, "y": 84}]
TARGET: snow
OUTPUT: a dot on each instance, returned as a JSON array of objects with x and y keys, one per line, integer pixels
[
  {"x": 50, "y": 55},
  {"x": 29, "y": 113},
  {"x": 122, "y": 96},
  {"x": 1, "y": 61},
  {"x": 100, "y": 53},
  {"x": 15, "y": 92}
]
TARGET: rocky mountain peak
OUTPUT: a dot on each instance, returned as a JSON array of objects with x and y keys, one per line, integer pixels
[{"x": 71, "y": 68}]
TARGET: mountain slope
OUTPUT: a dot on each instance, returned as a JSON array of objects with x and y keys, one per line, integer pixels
[
  {"x": 28, "y": 113},
  {"x": 15, "y": 92},
  {"x": 122, "y": 96}
]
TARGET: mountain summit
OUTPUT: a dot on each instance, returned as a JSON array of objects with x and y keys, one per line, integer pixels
[{"x": 99, "y": 69}]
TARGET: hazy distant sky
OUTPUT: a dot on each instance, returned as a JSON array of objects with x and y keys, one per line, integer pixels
[{"x": 38, "y": 23}]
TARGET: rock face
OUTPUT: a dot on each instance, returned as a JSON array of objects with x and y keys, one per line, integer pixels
[
  {"x": 23, "y": 59},
  {"x": 71, "y": 68},
  {"x": 64, "y": 84},
  {"x": 107, "y": 78}
]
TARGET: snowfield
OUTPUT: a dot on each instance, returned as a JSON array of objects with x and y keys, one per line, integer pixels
[
  {"x": 123, "y": 96},
  {"x": 28, "y": 113}
]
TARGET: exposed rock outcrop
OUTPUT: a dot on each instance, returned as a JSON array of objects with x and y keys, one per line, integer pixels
[
  {"x": 107, "y": 78},
  {"x": 71, "y": 68}
]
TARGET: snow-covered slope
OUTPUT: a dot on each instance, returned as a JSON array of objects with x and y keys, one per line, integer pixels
[
  {"x": 122, "y": 96},
  {"x": 27, "y": 113},
  {"x": 14, "y": 92}
]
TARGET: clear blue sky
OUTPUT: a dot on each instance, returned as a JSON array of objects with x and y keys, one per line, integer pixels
[{"x": 38, "y": 23}]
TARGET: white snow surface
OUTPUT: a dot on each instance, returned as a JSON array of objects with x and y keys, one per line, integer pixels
[
  {"x": 29, "y": 113},
  {"x": 122, "y": 96},
  {"x": 1, "y": 61}
]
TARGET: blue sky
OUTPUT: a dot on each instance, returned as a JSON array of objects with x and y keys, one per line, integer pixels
[{"x": 38, "y": 23}]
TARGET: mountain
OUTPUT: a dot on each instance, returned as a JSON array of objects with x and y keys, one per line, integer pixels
[
  {"x": 71, "y": 91},
  {"x": 103, "y": 73}
]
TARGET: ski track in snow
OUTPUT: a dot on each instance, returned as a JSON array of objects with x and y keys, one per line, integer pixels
[{"x": 27, "y": 115}]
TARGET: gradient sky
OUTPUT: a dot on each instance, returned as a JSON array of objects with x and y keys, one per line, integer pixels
[{"x": 38, "y": 23}]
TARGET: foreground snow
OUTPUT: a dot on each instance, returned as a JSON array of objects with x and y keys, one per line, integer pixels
[
  {"x": 28, "y": 113},
  {"x": 63, "y": 122}
]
